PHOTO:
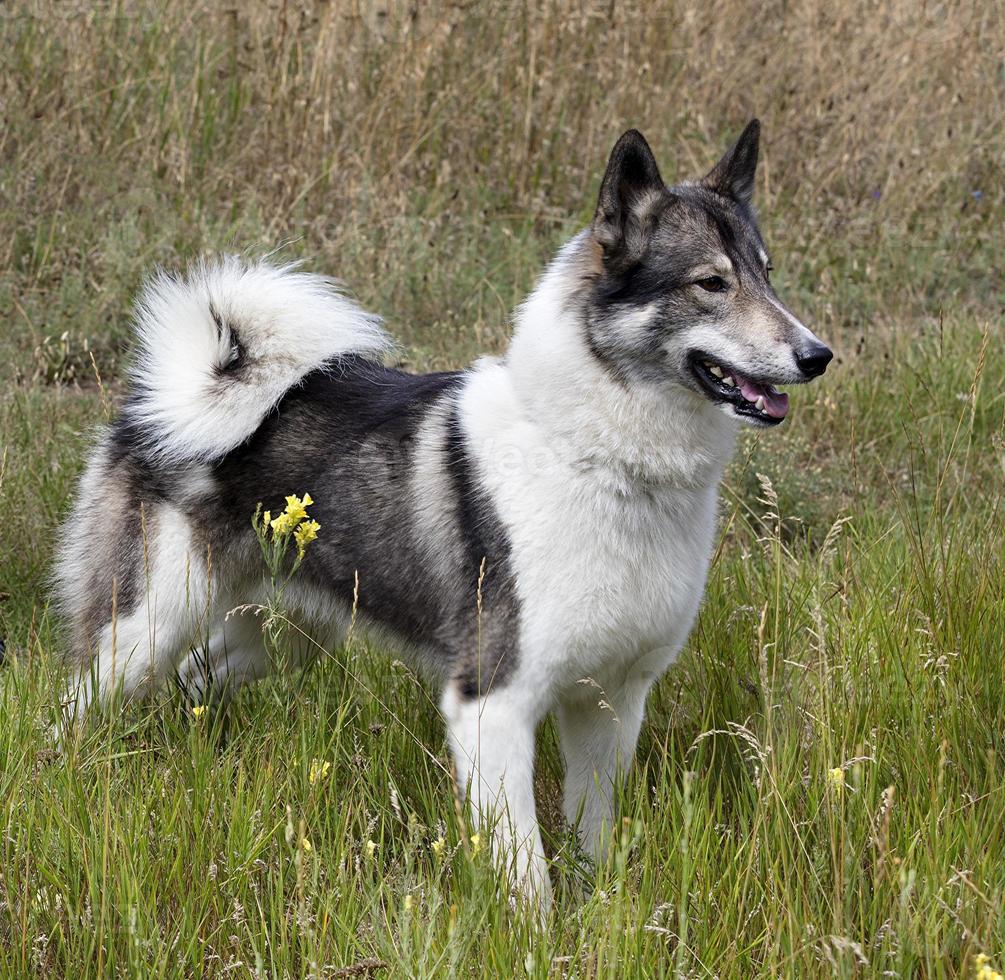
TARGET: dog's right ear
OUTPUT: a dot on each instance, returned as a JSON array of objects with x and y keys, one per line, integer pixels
[{"x": 631, "y": 189}]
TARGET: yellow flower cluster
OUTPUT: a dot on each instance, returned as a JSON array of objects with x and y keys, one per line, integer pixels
[
  {"x": 295, "y": 512},
  {"x": 835, "y": 779},
  {"x": 319, "y": 770},
  {"x": 305, "y": 534},
  {"x": 294, "y": 518},
  {"x": 984, "y": 970}
]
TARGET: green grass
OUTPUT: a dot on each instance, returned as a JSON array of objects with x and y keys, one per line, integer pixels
[{"x": 855, "y": 614}]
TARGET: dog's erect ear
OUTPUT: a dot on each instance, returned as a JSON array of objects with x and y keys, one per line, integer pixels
[
  {"x": 733, "y": 175},
  {"x": 631, "y": 189}
]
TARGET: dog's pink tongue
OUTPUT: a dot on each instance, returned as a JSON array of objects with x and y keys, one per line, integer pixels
[{"x": 776, "y": 403}]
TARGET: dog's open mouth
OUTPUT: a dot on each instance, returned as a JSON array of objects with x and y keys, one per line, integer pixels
[{"x": 753, "y": 399}]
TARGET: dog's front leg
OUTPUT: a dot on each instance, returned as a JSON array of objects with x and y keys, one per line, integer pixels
[
  {"x": 492, "y": 739},
  {"x": 598, "y": 730}
]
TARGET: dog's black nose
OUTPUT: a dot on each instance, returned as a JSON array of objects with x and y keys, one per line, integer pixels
[{"x": 813, "y": 360}]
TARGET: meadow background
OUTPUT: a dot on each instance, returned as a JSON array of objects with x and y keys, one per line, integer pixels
[{"x": 820, "y": 786}]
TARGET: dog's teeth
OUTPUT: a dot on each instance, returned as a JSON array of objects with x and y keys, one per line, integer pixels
[
  {"x": 759, "y": 404},
  {"x": 728, "y": 381},
  {"x": 716, "y": 370}
]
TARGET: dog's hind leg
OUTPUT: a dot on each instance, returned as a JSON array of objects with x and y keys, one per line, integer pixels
[
  {"x": 157, "y": 608},
  {"x": 235, "y": 655}
]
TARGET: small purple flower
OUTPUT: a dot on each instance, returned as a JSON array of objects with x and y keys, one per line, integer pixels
[{"x": 977, "y": 195}]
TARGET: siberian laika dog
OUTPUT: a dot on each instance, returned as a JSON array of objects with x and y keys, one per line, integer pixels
[{"x": 535, "y": 530}]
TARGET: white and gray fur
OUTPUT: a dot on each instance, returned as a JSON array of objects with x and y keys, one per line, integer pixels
[{"x": 577, "y": 474}]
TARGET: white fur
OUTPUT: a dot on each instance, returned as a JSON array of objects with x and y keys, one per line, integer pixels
[
  {"x": 287, "y": 323},
  {"x": 236, "y": 653},
  {"x": 138, "y": 650},
  {"x": 76, "y": 549},
  {"x": 632, "y": 325},
  {"x": 492, "y": 742}
]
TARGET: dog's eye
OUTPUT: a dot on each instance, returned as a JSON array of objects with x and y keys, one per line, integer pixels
[{"x": 712, "y": 284}]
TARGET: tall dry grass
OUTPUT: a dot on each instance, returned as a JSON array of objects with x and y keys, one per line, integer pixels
[{"x": 432, "y": 155}]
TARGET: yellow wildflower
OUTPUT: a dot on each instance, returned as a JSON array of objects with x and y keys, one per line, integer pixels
[
  {"x": 319, "y": 770},
  {"x": 409, "y": 902},
  {"x": 306, "y": 845},
  {"x": 983, "y": 969},
  {"x": 295, "y": 512},
  {"x": 199, "y": 710},
  {"x": 439, "y": 846},
  {"x": 305, "y": 534},
  {"x": 371, "y": 848},
  {"x": 266, "y": 519},
  {"x": 835, "y": 779},
  {"x": 296, "y": 509},
  {"x": 476, "y": 845}
]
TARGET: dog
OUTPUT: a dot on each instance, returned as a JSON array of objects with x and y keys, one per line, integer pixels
[{"x": 535, "y": 530}]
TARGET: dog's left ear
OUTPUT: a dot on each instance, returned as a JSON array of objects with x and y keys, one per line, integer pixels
[
  {"x": 631, "y": 189},
  {"x": 733, "y": 175}
]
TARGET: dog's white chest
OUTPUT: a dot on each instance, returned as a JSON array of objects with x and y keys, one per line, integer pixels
[
  {"x": 608, "y": 571},
  {"x": 605, "y": 581}
]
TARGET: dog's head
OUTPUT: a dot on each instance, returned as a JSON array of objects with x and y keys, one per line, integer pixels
[{"x": 683, "y": 294}]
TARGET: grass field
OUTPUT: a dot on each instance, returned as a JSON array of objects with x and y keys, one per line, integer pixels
[{"x": 820, "y": 785}]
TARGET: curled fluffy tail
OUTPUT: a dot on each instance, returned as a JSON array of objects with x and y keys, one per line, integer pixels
[{"x": 220, "y": 346}]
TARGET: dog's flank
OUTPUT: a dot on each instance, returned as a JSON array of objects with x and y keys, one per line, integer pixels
[{"x": 517, "y": 527}]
